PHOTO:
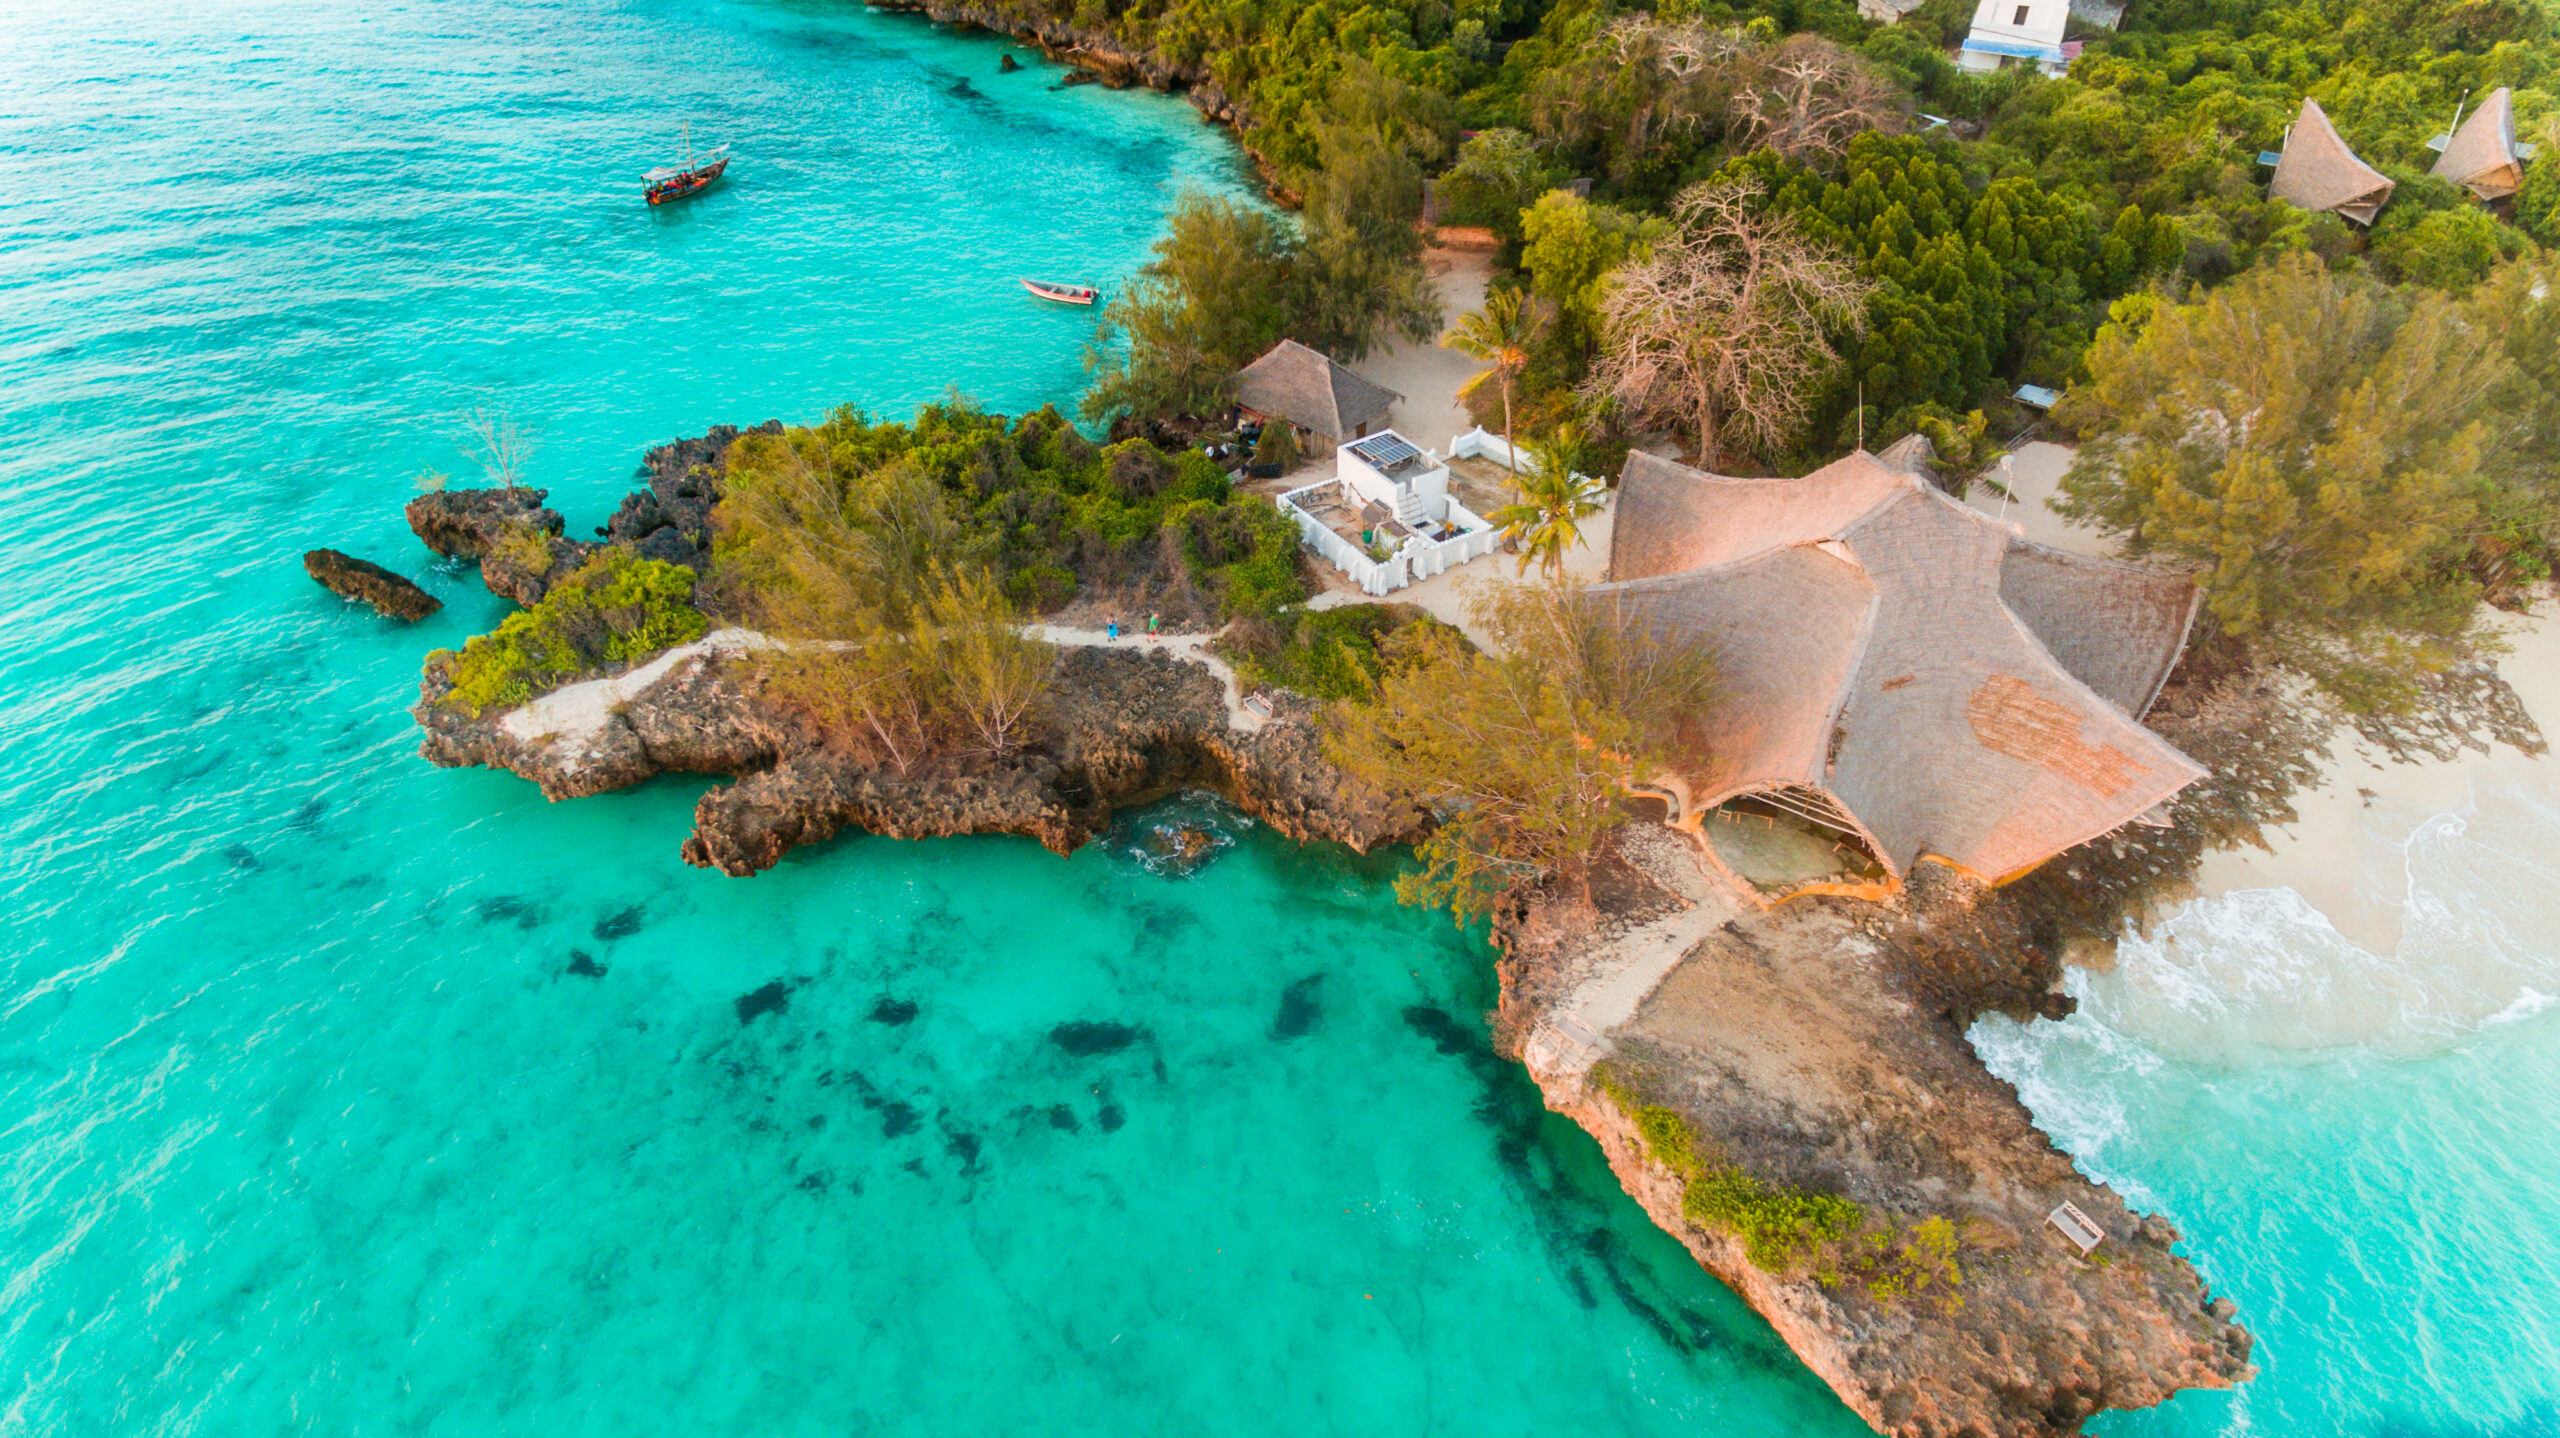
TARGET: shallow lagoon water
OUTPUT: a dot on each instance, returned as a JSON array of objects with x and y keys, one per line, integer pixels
[{"x": 343, "y": 1095}]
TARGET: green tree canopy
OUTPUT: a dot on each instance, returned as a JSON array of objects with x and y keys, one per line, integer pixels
[{"x": 2322, "y": 448}]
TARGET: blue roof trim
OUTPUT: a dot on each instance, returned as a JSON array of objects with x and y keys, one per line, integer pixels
[{"x": 2049, "y": 53}]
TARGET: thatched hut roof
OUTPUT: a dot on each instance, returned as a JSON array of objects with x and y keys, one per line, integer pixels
[
  {"x": 2319, "y": 172},
  {"x": 2482, "y": 156},
  {"x": 1960, "y": 693},
  {"x": 1306, "y": 388}
]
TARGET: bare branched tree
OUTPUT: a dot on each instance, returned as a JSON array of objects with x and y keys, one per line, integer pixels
[
  {"x": 1807, "y": 98},
  {"x": 1724, "y": 330},
  {"x": 497, "y": 444}
]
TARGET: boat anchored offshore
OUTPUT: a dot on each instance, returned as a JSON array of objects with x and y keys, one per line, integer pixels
[
  {"x": 692, "y": 178},
  {"x": 1063, "y": 294}
]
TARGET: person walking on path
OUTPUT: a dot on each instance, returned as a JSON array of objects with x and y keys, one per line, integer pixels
[
  {"x": 1151, "y": 624},
  {"x": 1113, "y": 628}
]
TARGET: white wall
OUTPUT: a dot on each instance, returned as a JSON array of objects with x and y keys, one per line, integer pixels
[{"x": 1998, "y": 20}]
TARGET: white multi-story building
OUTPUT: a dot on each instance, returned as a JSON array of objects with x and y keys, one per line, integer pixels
[{"x": 2018, "y": 32}]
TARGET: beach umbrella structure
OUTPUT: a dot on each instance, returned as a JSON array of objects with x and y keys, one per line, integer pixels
[
  {"x": 1899, "y": 669},
  {"x": 2481, "y": 155},
  {"x": 2318, "y": 172}
]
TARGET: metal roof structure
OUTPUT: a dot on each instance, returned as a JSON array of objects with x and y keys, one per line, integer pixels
[{"x": 1948, "y": 689}]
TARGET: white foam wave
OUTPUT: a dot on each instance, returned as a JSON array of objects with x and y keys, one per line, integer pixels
[{"x": 2261, "y": 972}]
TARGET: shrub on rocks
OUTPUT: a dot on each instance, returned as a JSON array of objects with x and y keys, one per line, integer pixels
[{"x": 614, "y": 609}]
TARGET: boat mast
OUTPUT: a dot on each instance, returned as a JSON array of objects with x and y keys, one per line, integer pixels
[{"x": 688, "y": 144}]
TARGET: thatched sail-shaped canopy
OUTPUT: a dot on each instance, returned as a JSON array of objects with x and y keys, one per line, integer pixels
[
  {"x": 1959, "y": 693},
  {"x": 1306, "y": 388},
  {"x": 2319, "y": 172},
  {"x": 2483, "y": 157}
]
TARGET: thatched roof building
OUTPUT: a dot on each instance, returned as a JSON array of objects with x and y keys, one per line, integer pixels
[
  {"x": 2483, "y": 156},
  {"x": 1306, "y": 388},
  {"x": 2319, "y": 172},
  {"x": 1903, "y": 665}
]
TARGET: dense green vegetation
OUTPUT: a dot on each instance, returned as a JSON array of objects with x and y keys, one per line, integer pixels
[
  {"x": 1338, "y": 653},
  {"x": 1048, "y": 512},
  {"x": 616, "y": 608},
  {"x": 901, "y": 559},
  {"x": 2349, "y": 467},
  {"x": 1731, "y": 158}
]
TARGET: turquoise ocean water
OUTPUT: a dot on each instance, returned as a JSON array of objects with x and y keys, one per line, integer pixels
[
  {"x": 2362, "y": 1147},
  {"x": 341, "y": 1095}
]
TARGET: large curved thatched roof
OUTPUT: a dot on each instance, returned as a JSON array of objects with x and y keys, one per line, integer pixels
[
  {"x": 2482, "y": 156},
  {"x": 2319, "y": 172},
  {"x": 1961, "y": 693}
]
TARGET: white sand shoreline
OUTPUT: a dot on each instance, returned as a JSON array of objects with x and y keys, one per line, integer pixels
[{"x": 2345, "y": 851}]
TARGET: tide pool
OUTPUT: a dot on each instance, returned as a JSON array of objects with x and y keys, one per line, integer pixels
[{"x": 343, "y": 1095}]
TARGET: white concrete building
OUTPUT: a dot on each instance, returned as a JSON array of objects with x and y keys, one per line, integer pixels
[
  {"x": 1387, "y": 518},
  {"x": 2018, "y": 32}
]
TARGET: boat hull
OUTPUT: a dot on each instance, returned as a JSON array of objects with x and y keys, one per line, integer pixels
[
  {"x": 1063, "y": 294},
  {"x": 689, "y": 184}
]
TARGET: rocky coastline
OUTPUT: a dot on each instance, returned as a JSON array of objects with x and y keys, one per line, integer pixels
[
  {"x": 1095, "y": 51},
  {"x": 1125, "y": 726},
  {"x": 1818, "y": 1047}
]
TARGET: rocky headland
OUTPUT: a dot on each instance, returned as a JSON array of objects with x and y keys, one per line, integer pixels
[
  {"x": 1815, "y": 1049},
  {"x": 1819, "y": 1048},
  {"x": 1124, "y": 726}
]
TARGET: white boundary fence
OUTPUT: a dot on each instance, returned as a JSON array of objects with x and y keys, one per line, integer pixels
[
  {"x": 1417, "y": 558},
  {"x": 1373, "y": 576}
]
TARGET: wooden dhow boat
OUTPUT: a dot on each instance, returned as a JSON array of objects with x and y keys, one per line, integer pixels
[
  {"x": 1063, "y": 294},
  {"x": 675, "y": 182}
]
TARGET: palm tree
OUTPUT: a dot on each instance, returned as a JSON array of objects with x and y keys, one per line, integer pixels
[
  {"x": 1546, "y": 521},
  {"x": 1498, "y": 334}
]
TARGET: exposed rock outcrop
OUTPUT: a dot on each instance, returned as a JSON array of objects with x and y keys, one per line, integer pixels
[
  {"x": 349, "y": 577},
  {"x": 515, "y": 538},
  {"x": 1124, "y": 727},
  {"x": 1819, "y": 1047},
  {"x": 467, "y": 523},
  {"x": 519, "y": 541},
  {"x": 670, "y": 520}
]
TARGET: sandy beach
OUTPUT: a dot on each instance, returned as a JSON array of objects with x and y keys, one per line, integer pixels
[{"x": 2346, "y": 852}]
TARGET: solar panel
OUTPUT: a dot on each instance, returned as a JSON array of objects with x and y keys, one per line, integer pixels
[{"x": 1386, "y": 451}]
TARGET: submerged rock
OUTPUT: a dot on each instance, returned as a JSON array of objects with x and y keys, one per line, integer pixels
[{"x": 351, "y": 578}]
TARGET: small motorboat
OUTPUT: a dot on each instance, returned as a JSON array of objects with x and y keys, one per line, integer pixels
[
  {"x": 675, "y": 182},
  {"x": 1063, "y": 294}
]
